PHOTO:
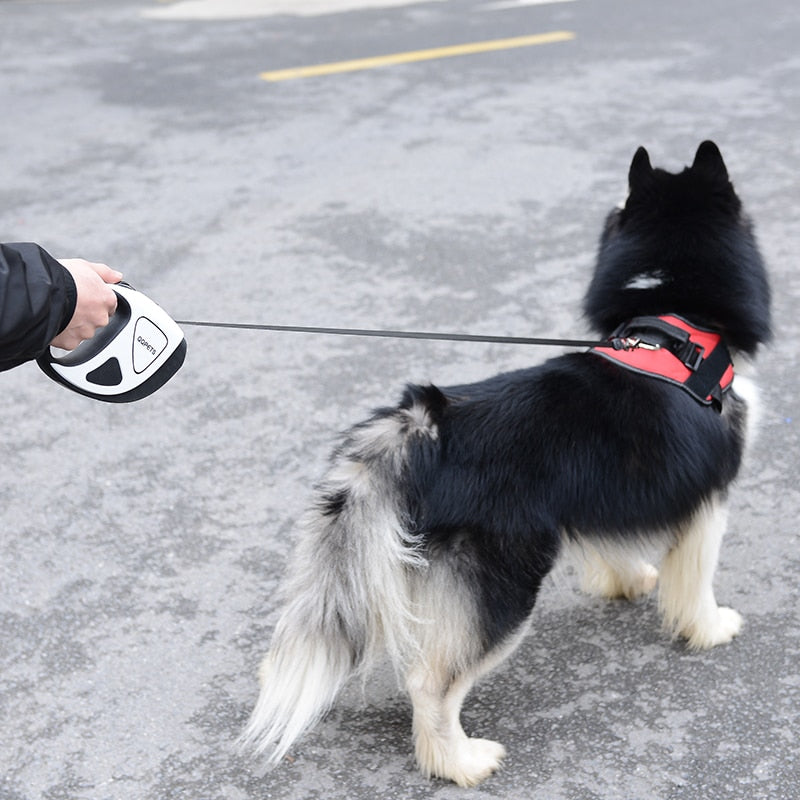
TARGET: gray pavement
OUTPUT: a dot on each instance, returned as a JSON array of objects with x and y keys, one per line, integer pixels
[{"x": 141, "y": 545}]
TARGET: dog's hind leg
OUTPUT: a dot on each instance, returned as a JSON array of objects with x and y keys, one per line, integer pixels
[
  {"x": 442, "y": 748},
  {"x": 450, "y": 659},
  {"x": 686, "y": 595}
]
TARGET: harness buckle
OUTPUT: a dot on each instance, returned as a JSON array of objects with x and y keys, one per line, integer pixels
[{"x": 693, "y": 357}]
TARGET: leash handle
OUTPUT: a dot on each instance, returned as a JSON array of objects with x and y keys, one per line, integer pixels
[{"x": 131, "y": 357}]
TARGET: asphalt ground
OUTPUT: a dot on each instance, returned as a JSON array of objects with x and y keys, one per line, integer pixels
[{"x": 141, "y": 545}]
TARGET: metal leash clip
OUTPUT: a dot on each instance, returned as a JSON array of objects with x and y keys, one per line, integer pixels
[{"x": 633, "y": 343}]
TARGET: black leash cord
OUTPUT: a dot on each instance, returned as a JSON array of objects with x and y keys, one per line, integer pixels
[{"x": 448, "y": 337}]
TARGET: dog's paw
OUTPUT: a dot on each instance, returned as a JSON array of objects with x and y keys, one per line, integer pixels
[
  {"x": 720, "y": 628},
  {"x": 477, "y": 760},
  {"x": 466, "y": 762},
  {"x": 642, "y": 583},
  {"x": 603, "y": 580}
]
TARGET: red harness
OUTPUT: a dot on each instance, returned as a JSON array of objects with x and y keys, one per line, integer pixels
[{"x": 670, "y": 349}]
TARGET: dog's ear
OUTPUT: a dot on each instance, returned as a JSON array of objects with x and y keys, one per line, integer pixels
[
  {"x": 641, "y": 170},
  {"x": 708, "y": 161}
]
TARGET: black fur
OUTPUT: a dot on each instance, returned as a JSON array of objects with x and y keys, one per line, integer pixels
[
  {"x": 579, "y": 444},
  {"x": 440, "y": 517},
  {"x": 689, "y": 228},
  {"x": 576, "y": 445}
]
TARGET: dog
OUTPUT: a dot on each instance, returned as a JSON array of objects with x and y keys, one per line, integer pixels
[{"x": 430, "y": 535}]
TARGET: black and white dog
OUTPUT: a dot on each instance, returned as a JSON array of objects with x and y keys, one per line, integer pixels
[{"x": 438, "y": 519}]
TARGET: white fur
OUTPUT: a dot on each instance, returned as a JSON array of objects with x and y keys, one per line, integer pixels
[
  {"x": 443, "y": 676},
  {"x": 441, "y": 747},
  {"x": 686, "y": 595},
  {"x": 615, "y": 572},
  {"x": 336, "y": 578},
  {"x": 299, "y": 682},
  {"x": 744, "y": 385},
  {"x": 685, "y": 592},
  {"x": 645, "y": 280}
]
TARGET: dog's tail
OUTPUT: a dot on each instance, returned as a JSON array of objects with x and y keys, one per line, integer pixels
[{"x": 348, "y": 592}]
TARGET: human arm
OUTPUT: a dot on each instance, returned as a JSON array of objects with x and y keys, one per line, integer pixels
[{"x": 43, "y": 301}]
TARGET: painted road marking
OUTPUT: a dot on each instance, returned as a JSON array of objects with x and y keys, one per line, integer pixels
[
  {"x": 417, "y": 55},
  {"x": 250, "y": 9},
  {"x": 508, "y": 5}
]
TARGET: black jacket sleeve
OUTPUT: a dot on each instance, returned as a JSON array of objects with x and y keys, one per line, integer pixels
[{"x": 37, "y": 301}]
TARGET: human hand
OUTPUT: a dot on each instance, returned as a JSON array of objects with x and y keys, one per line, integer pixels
[{"x": 96, "y": 301}]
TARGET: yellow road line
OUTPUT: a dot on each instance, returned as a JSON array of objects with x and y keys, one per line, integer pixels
[{"x": 417, "y": 55}]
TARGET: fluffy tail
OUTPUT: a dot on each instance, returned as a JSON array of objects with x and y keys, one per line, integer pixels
[{"x": 348, "y": 593}]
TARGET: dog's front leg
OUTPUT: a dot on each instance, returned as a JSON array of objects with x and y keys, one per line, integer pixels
[
  {"x": 612, "y": 572},
  {"x": 686, "y": 595}
]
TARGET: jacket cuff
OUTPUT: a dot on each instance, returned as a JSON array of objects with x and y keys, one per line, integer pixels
[{"x": 70, "y": 298}]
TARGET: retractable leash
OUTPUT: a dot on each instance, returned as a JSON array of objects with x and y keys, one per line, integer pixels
[
  {"x": 139, "y": 350},
  {"x": 666, "y": 348},
  {"x": 142, "y": 347}
]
